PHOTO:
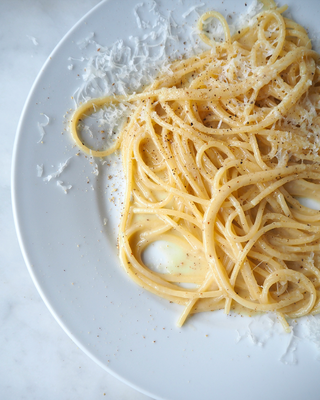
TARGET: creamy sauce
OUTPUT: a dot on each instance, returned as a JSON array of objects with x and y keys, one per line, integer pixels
[{"x": 168, "y": 258}]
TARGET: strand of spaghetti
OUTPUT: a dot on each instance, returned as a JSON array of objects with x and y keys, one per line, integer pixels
[
  {"x": 272, "y": 188},
  {"x": 270, "y": 250},
  {"x": 90, "y": 107},
  {"x": 128, "y": 170},
  {"x": 179, "y": 214},
  {"x": 170, "y": 189},
  {"x": 176, "y": 177},
  {"x": 181, "y": 163},
  {"x": 194, "y": 242},
  {"x": 203, "y": 288},
  {"x": 295, "y": 277},
  {"x": 140, "y": 199},
  {"x": 302, "y": 239},
  {"x": 283, "y": 322},
  {"x": 223, "y": 22},
  {"x": 169, "y": 161},
  {"x": 302, "y": 249},
  {"x": 250, "y": 232}
]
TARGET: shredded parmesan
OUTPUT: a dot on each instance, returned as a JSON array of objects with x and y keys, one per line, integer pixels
[
  {"x": 95, "y": 169},
  {"x": 59, "y": 171},
  {"x": 141, "y": 24},
  {"x": 41, "y": 127},
  {"x": 34, "y": 40},
  {"x": 259, "y": 330},
  {"x": 313, "y": 332},
  {"x": 289, "y": 356},
  {"x": 39, "y": 170},
  {"x": 127, "y": 68},
  {"x": 84, "y": 42},
  {"x": 247, "y": 18},
  {"x": 191, "y": 9},
  {"x": 65, "y": 188}
]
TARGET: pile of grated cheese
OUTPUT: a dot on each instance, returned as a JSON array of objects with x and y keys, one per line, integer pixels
[{"x": 122, "y": 69}]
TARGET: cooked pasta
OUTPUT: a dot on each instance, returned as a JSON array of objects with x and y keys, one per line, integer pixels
[{"x": 215, "y": 155}]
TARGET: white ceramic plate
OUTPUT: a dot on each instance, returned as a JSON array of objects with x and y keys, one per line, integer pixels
[{"x": 72, "y": 256}]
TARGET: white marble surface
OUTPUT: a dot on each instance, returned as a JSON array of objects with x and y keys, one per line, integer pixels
[{"x": 38, "y": 360}]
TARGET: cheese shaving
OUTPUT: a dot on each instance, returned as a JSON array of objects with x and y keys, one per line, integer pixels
[
  {"x": 65, "y": 188},
  {"x": 289, "y": 356},
  {"x": 59, "y": 171},
  {"x": 84, "y": 42},
  {"x": 34, "y": 40},
  {"x": 191, "y": 9},
  {"x": 39, "y": 170},
  {"x": 313, "y": 332},
  {"x": 41, "y": 126}
]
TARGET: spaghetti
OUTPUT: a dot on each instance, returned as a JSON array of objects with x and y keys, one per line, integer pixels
[{"x": 214, "y": 155}]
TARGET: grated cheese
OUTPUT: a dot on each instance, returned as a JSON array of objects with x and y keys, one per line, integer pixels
[
  {"x": 65, "y": 188},
  {"x": 259, "y": 330},
  {"x": 191, "y": 9},
  {"x": 247, "y": 18},
  {"x": 289, "y": 356},
  {"x": 59, "y": 171},
  {"x": 313, "y": 332},
  {"x": 41, "y": 126},
  {"x": 39, "y": 170},
  {"x": 34, "y": 40},
  {"x": 122, "y": 68},
  {"x": 141, "y": 24},
  {"x": 84, "y": 42}
]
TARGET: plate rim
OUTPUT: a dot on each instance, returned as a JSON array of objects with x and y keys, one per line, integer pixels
[{"x": 15, "y": 209}]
